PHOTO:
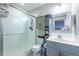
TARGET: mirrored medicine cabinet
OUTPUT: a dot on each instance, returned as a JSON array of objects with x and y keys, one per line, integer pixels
[{"x": 61, "y": 22}]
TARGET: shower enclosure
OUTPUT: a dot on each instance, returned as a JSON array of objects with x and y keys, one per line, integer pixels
[{"x": 17, "y": 33}]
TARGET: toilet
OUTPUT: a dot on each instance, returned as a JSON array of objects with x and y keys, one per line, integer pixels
[{"x": 36, "y": 48}]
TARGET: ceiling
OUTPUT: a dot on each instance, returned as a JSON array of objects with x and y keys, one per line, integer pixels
[{"x": 29, "y": 6}]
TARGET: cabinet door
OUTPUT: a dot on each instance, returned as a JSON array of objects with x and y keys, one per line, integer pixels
[
  {"x": 67, "y": 54},
  {"x": 52, "y": 51}
]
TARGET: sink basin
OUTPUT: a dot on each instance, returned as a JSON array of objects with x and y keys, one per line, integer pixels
[
  {"x": 60, "y": 39},
  {"x": 65, "y": 40}
]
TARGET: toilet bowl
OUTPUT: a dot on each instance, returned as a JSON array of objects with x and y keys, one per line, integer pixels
[{"x": 36, "y": 48}]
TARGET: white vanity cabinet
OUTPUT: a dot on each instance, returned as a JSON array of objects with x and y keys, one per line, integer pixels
[{"x": 61, "y": 49}]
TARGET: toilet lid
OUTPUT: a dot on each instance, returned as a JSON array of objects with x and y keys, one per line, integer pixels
[{"x": 37, "y": 46}]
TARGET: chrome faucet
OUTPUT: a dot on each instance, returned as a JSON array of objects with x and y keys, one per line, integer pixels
[{"x": 59, "y": 36}]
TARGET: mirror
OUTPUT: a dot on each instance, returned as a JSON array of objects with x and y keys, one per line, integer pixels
[
  {"x": 59, "y": 24},
  {"x": 62, "y": 22}
]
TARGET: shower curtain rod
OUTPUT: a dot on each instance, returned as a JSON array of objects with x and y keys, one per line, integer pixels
[{"x": 21, "y": 10}]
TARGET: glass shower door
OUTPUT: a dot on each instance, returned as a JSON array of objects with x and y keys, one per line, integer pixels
[
  {"x": 18, "y": 38},
  {"x": 30, "y": 32}
]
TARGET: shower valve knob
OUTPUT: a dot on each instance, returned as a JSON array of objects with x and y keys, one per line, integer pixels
[{"x": 31, "y": 28}]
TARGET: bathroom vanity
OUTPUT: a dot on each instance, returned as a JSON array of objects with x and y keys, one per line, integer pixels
[
  {"x": 66, "y": 44},
  {"x": 61, "y": 47}
]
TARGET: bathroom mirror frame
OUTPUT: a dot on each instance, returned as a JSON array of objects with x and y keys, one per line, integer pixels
[{"x": 62, "y": 17}]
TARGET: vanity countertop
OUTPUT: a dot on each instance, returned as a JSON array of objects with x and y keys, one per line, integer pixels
[{"x": 61, "y": 40}]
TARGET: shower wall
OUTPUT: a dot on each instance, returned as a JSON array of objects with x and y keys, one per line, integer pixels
[
  {"x": 40, "y": 27},
  {"x": 18, "y": 38}
]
